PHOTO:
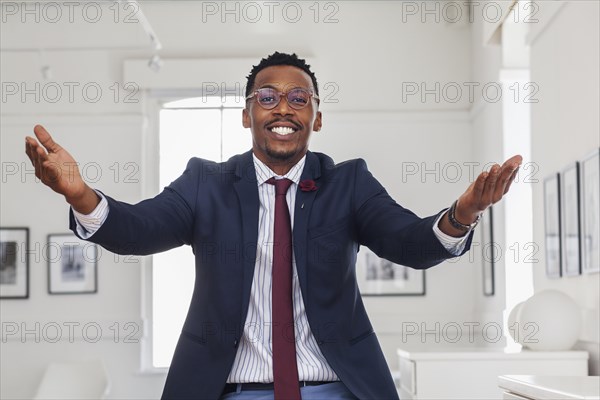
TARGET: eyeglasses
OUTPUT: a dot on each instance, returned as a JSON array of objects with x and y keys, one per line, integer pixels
[{"x": 269, "y": 98}]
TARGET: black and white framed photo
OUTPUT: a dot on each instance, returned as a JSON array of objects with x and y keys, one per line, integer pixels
[
  {"x": 590, "y": 212},
  {"x": 379, "y": 277},
  {"x": 488, "y": 251},
  {"x": 552, "y": 226},
  {"x": 72, "y": 265},
  {"x": 570, "y": 227},
  {"x": 14, "y": 263}
]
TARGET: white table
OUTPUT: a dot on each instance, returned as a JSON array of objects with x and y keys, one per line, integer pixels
[
  {"x": 472, "y": 373},
  {"x": 528, "y": 387}
]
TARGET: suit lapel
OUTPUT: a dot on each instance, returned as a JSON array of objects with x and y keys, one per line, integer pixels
[
  {"x": 304, "y": 203},
  {"x": 247, "y": 192}
]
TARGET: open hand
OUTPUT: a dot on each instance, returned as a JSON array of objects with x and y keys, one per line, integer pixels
[
  {"x": 58, "y": 170},
  {"x": 488, "y": 188}
]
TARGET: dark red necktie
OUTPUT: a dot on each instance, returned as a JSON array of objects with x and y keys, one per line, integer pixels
[{"x": 285, "y": 370}]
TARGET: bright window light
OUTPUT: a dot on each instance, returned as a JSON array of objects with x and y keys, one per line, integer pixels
[{"x": 204, "y": 127}]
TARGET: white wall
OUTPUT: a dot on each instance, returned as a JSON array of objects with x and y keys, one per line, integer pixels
[{"x": 565, "y": 127}]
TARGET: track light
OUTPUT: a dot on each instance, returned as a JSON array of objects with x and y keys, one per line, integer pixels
[
  {"x": 46, "y": 72},
  {"x": 155, "y": 63}
]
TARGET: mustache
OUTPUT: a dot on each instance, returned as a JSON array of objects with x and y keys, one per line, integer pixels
[{"x": 297, "y": 125}]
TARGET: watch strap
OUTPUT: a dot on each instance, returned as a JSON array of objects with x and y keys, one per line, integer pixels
[{"x": 459, "y": 225}]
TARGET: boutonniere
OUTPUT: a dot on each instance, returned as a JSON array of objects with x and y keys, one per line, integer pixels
[{"x": 308, "y": 185}]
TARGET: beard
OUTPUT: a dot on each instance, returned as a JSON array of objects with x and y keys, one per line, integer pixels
[{"x": 280, "y": 155}]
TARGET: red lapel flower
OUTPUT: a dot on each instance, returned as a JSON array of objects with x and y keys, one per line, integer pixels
[{"x": 308, "y": 185}]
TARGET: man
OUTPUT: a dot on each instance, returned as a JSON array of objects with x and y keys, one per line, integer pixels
[{"x": 280, "y": 316}]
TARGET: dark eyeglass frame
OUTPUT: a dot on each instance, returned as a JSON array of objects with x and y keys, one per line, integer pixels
[{"x": 311, "y": 95}]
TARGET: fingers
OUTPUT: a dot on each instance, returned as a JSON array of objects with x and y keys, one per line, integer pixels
[
  {"x": 487, "y": 197},
  {"x": 511, "y": 180},
  {"x": 40, "y": 157},
  {"x": 499, "y": 180},
  {"x": 45, "y": 139},
  {"x": 514, "y": 161},
  {"x": 504, "y": 175},
  {"x": 28, "y": 148},
  {"x": 484, "y": 186},
  {"x": 37, "y": 154},
  {"x": 490, "y": 186},
  {"x": 32, "y": 147},
  {"x": 478, "y": 188},
  {"x": 507, "y": 176}
]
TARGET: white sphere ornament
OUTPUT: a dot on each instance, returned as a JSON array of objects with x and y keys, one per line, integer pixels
[
  {"x": 513, "y": 325},
  {"x": 549, "y": 321}
]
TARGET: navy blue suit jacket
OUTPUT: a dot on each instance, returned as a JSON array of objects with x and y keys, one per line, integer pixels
[{"x": 214, "y": 208}]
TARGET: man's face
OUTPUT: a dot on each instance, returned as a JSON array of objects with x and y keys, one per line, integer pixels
[{"x": 273, "y": 145}]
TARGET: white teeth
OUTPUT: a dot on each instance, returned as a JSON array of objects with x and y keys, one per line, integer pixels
[{"x": 282, "y": 130}]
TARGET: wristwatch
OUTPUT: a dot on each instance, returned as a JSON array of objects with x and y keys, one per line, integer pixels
[{"x": 458, "y": 225}]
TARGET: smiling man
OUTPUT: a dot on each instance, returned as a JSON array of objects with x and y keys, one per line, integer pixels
[
  {"x": 281, "y": 129},
  {"x": 282, "y": 318}
]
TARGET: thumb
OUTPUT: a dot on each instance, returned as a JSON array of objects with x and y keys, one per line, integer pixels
[{"x": 45, "y": 139}]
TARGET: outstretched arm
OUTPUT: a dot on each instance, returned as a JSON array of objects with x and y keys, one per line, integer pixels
[
  {"x": 488, "y": 189},
  {"x": 58, "y": 170},
  {"x": 148, "y": 227}
]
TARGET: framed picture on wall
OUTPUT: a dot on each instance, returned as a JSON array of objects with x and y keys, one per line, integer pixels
[
  {"x": 14, "y": 263},
  {"x": 72, "y": 265},
  {"x": 379, "y": 277},
  {"x": 552, "y": 226},
  {"x": 590, "y": 212},
  {"x": 488, "y": 251},
  {"x": 570, "y": 227}
]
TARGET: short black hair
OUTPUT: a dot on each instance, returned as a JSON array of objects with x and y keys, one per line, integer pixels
[{"x": 278, "y": 58}]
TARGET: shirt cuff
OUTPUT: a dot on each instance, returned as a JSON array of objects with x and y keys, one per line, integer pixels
[
  {"x": 88, "y": 224},
  {"x": 454, "y": 245}
]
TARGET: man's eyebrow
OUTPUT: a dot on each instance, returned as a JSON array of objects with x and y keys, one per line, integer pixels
[{"x": 271, "y": 86}]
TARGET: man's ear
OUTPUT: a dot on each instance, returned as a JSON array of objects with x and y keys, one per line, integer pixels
[
  {"x": 318, "y": 122},
  {"x": 245, "y": 118}
]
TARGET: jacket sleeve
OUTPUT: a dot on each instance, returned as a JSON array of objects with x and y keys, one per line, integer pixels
[
  {"x": 392, "y": 231},
  {"x": 153, "y": 225}
]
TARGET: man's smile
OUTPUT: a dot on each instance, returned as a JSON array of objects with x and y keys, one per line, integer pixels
[{"x": 283, "y": 129}]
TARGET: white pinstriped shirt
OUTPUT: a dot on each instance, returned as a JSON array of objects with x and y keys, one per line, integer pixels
[
  {"x": 254, "y": 358},
  {"x": 253, "y": 361}
]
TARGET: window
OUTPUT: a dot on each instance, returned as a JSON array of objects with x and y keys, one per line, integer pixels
[
  {"x": 521, "y": 251},
  {"x": 205, "y": 127}
]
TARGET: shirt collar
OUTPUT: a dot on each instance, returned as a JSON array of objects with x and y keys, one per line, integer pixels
[{"x": 264, "y": 173}]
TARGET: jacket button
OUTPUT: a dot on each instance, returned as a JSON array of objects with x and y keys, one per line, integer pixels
[
  {"x": 321, "y": 342},
  {"x": 235, "y": 343}
]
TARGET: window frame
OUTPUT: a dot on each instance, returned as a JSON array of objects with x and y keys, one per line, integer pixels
[{"x": 150, "y": 182}]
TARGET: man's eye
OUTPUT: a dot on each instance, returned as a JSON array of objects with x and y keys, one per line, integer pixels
[
  {"x": 300, "y": 100},
  {"x": 267, "y": 99}
]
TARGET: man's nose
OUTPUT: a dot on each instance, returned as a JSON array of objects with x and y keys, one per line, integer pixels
[{"x": 283, "y": 108}]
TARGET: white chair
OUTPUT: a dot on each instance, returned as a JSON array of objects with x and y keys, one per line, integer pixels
[{"x": 76, "y": 380}]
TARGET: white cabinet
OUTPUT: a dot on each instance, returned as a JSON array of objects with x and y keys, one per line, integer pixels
[
  {"x": 472, "y": 373},
  {"x": 526, "y": 387}
]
